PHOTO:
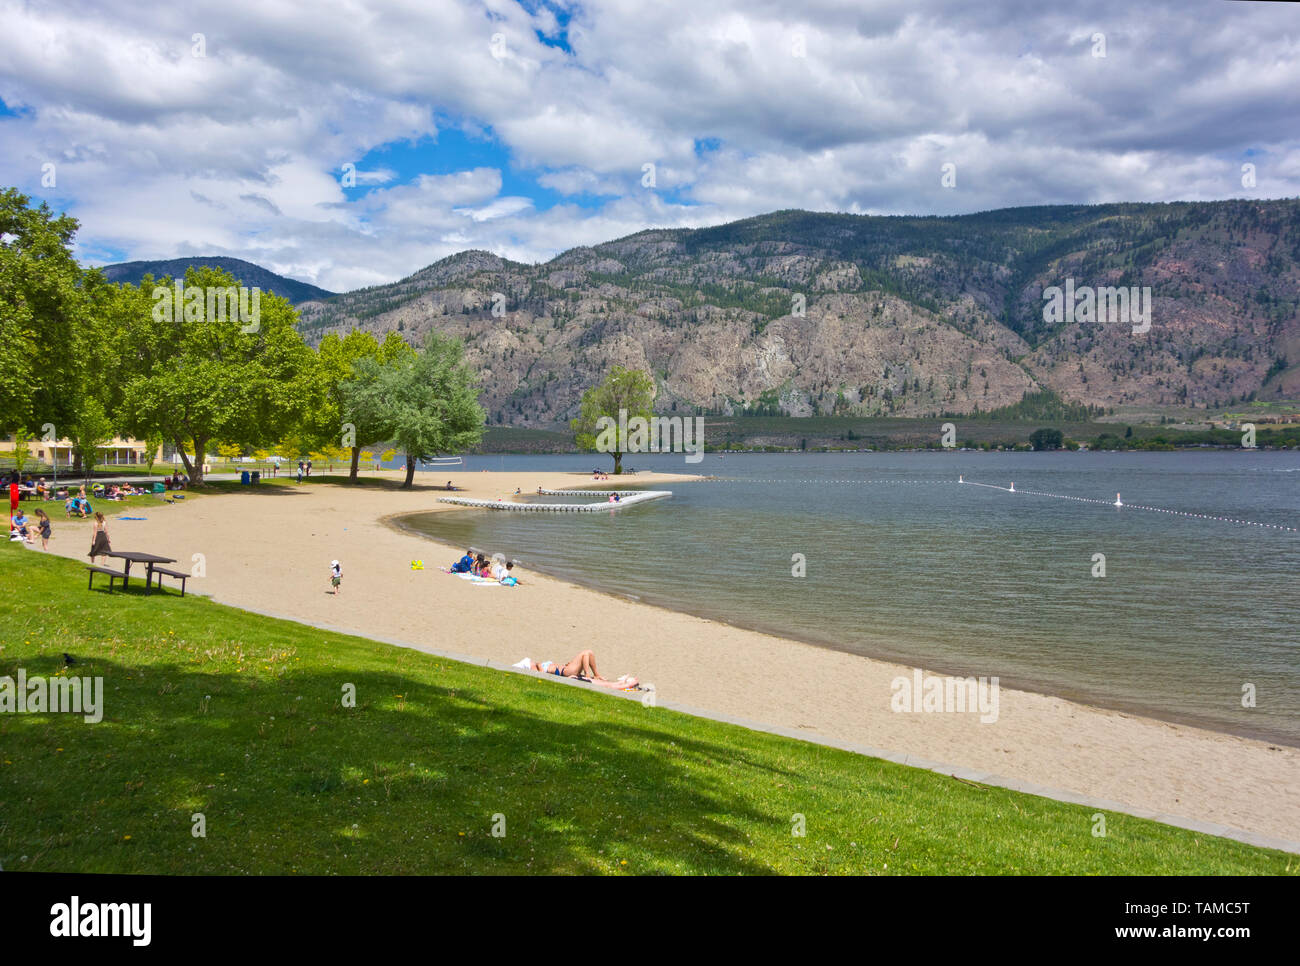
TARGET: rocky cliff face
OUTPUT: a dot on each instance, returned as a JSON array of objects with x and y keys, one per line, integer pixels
[{"x": 803, "y": 313}]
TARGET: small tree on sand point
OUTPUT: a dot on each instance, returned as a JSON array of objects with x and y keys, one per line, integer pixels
[{"x": 628, "y": 392}]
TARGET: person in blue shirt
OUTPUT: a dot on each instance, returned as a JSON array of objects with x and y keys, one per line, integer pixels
[{"x": 464, "y": 564}]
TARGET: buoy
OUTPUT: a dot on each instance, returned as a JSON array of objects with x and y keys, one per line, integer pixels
[{"x": 1117, "y": 500}]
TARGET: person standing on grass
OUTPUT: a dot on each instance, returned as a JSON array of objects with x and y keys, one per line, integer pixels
[
  {"x": 300, "y": 471},
  {"x": 99, "y": 544},
  {"x": 336, "y": 576}
]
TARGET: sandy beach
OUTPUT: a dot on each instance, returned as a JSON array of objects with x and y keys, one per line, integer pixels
[{"x": 269, "y": 550}]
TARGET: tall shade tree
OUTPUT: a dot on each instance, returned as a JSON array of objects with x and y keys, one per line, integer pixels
[
  {"x": 89, "y": 429},
  {"x": 200, "y": 372},
  {"x": 624, "y": 391},
  {"x": 432, "y": 402},
  {"x": 42, "y": 309},
  {"x": 350, "y": 413}
]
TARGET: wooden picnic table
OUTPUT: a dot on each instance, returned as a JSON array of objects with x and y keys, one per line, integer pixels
[{"x": 137, "y": 556}]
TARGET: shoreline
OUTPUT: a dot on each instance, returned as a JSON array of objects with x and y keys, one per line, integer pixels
[
  {"x": 954, "y": 670},
  {"x": 276, "y": 562}
]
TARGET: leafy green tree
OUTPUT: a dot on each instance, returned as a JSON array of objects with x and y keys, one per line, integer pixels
[
  {"x": 152, "y": 444},
  {"x": 627, "y": 392},
  {"x": 431, "y": 401},
  {"x": 1042, "y": 439},
  {"x": 353, "y": 411},
  {"x": 197, "y": 374},
  {"x": 89, "y": 430},
  {"x": 21, "y": 450},
  {"x": 43, "y": 307},
  {"x": 290, "y": 448}
]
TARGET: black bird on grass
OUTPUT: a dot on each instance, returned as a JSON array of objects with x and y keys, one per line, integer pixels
[{"x": 68, "y": 659}]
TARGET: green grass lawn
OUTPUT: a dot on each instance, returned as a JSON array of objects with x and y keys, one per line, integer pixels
[{"x": 214, "y": 710}]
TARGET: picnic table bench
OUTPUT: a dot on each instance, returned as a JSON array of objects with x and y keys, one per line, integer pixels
[
  {"x": 111, "y": 574},
  {"x": 178, "y": 574}
]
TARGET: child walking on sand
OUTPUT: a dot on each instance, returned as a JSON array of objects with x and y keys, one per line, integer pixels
[
  {"x": 43, "y": 523},
  {"x": 336, "y": 576}
]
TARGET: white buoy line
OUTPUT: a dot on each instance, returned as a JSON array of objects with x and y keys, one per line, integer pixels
[{"x": 1117, "y": 502}]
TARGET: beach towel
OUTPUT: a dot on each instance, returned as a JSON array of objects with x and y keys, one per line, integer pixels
[
  {"x": 479, "y": 581},
  {"x": 525, "y": 664},
  {"x": 133, "y": 518}
]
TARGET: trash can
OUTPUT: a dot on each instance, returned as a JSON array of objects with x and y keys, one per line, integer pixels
[
  {"x": 257, "y": 476},
  {"x": 243, "y": 477}
]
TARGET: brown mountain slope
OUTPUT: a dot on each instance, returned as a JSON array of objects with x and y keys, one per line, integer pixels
[{"x": 826, "y": 313}]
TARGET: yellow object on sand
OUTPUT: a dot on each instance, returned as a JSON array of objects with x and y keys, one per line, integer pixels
[{"x": 417, "y": 564}]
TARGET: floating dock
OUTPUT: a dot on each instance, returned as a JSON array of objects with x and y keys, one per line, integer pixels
[{"x": 626, "y": 498}]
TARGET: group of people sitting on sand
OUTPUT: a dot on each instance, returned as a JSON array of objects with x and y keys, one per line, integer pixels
[
  {"x": 478, "y": 565},
  {"x": 116, "y": 492}
]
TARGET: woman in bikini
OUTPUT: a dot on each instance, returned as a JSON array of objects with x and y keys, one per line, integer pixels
[{"x": 583, "y": 667}]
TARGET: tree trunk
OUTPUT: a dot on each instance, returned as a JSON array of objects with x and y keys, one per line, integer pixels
[
  {"x": 618, "y": 463},
  {"x": 193, "y": 470},
  {"x": 410, "y": 472},
  {"x": 196, "y": 478},
  {"x": 185, "y": 460},
  {"x": 356, "y": 458}
]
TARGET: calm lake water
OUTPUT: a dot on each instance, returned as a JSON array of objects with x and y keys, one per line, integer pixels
[{"x": 904, "y": 563}]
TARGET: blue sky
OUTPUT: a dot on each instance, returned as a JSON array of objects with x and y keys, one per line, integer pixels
[{"x": 221, "y": 127}]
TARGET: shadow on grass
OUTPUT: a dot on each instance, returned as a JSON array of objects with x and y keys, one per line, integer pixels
[{"x": 288, "y": 779}]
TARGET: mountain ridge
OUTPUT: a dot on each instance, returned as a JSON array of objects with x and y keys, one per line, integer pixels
[{"x": 249, "y": 274}]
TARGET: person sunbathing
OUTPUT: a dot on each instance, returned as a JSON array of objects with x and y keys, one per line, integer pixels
[{"x": 583, "y": 667}]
